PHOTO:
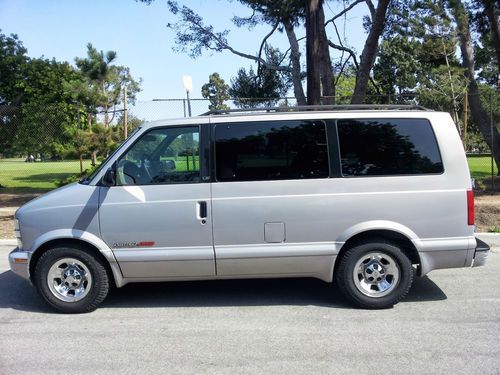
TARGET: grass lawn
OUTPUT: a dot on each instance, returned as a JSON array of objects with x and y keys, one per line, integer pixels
[
  {"x": 20, "y": 177},
  {"x": 480, "y": 166}
]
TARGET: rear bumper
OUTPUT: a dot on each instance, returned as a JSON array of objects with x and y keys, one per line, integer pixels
[
  {"x": 480, "y": 253},
  {"x": 18, "y": 261}
]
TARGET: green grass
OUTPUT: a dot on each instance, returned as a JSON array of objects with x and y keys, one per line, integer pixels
[
  {"x": 18, "y": 176},
  {"x": 480, "y": 167}
]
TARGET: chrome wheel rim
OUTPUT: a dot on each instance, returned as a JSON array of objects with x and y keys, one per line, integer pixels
[
  {"x": 376, "y": 274},
  {"x": 69, "y": 279}
]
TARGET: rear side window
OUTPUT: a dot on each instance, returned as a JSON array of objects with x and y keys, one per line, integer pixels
[
  {"x": 380, "y": 147},
  {"x": 273, "y": 150}
]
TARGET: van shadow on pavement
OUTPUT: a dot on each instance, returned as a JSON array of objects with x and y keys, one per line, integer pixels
[{"x": 16, "y": 293}]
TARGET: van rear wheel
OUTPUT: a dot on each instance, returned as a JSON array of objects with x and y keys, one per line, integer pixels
[
  {"x": 374, "y": 275},
  {"x": 71, "y": 280}
]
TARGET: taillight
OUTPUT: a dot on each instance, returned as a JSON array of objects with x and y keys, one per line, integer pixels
[{"x": 470, "y": 207}]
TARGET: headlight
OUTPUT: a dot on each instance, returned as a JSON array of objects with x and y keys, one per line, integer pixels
[{"x": 17, "y": 231}]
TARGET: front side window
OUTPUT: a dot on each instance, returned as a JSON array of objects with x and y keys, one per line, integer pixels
[
  {"x": 380, "y": 147},
  {"x": 162, "y": 156},
  {"x": 272, "y": 150}
]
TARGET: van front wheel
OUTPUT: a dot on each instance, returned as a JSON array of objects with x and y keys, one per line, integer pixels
[
  {"x": 71, "y": 280},
  {"x": 374, "y": 275}
]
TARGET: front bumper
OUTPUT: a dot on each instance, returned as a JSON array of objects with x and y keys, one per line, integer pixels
[
  {"x": 19, "y": 263},
  {"x": 480, "y": 253}
]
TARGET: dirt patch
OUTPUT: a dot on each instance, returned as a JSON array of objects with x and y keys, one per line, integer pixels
[
  {"x": 16, "y": 200},
  {"x": 7, "y": 224},
  {"x": 487, "y": 212},
  {"x": 8, "y": 206}
]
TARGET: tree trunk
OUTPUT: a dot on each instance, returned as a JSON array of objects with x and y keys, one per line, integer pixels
[
  {"x": 491, "y": 13},
  {"x": 326, "y": 74},
  {"x": 369, "y": 53},
  {"x": 479, "y": 115},
  {"x": 312, "y": 51},
  {"x": 298, "y": 90}
]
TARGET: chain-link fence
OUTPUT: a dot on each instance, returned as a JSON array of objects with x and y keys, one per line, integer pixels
[{"x": 44, "y": 146}]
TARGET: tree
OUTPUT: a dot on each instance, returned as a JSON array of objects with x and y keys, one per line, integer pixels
[
  {"x": 266, "y": 86},
  {"x": 313, "y": 9},
  {"x": 193, "y": 36},
  {"x": 133, "y": 122},
  {"x": 13, "y": 59},
  {"x": 109, "y": 79},
  {"x": 492, "y": 11},
  {"x": 491, "y": 136},
  {"x": 369, "y": 50},
  {"x": 216, "y": 91},
  {"x": 397, "y": 69},
  {"x": 487, "y": 44},
  {"x": 280, "y": 15},
  {"x": 97, "y": 68},
  {"x": 443, "y": 88},
  {"x": 47, "y": 110}
]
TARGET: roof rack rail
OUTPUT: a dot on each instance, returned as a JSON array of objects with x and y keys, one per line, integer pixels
[{"x": 333, "y": 107}]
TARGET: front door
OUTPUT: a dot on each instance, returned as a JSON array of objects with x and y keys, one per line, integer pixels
[{"x": 157, "y": 219}]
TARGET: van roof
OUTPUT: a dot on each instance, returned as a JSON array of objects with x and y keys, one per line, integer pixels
[
  {"x": 297, "y": 111},
  {"x": 329, "y": 108}
]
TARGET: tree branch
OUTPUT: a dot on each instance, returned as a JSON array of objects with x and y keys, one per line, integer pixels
[
  {"x": 339, "y": 74},
  {"x": 241, "y": 21},
  {"x": 345, "y": 49},
  {"x": 192, "y": 32},
  {"x": 264, "y": 42},
  {"x": 371, "y": 7},
  {"x": 344, "y": 11}
]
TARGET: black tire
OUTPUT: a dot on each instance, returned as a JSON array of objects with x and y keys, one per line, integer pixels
[
  {"x": 98, "y": 287},
  {"x": 353, "y": 291}
]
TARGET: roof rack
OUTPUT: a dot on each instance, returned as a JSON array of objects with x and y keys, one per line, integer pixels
[{"x": 334, "y": 107}]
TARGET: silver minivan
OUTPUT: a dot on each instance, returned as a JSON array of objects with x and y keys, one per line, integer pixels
[{"x": 362, "y": 196}]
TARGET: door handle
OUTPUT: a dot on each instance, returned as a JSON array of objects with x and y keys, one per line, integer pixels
[{"x": 202, "y": 211}]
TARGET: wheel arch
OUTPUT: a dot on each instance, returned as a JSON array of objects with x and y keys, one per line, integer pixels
[
  {"x": 403, "y": 241},
  {"x": 111, "y": 265}
]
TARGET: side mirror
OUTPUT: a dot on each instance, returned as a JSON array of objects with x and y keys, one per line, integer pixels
[{"x": 109, "y": 178}]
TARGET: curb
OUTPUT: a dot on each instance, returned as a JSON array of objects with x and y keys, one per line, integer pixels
[
  {"x": 492, "y": 239},
  {"x": 10, "y": 242}
]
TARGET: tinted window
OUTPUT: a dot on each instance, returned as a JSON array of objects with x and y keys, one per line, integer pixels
[
  {"x": 388, "y": 147},
  {"x": 161, "y": 156},
  {"x": 275, "y": 150}
]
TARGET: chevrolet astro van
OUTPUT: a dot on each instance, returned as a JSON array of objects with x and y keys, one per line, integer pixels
[{"x": 362, "y": 196}]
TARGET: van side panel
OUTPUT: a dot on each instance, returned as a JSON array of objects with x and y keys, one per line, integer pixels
[{"x": 319, "y": 213}]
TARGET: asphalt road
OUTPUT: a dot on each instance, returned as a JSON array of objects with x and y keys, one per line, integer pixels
[{"x": 449, "y": 323}]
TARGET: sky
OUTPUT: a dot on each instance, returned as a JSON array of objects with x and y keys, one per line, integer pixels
[{"x": 138, "y": 33}]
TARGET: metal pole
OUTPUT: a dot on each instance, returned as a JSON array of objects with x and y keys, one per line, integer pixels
[
  {"x": 466, "y": 104},
  {"x": 80, "y": 156},
  {"x": 125, "y": 114},
  {"x": 189, "y": 103},
  {"x": 492, "y": 144},
  {"x": 78, "y": 113},
  {"x": 184, "y": 106}
]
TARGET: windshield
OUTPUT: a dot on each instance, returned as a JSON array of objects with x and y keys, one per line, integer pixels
[{"x": 86, "y": 180}]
